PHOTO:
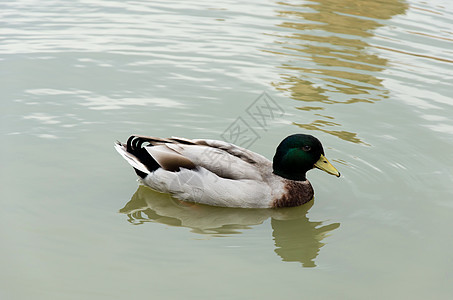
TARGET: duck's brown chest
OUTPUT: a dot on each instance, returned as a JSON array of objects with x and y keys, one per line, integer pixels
[{"x": 295, "y": 193}]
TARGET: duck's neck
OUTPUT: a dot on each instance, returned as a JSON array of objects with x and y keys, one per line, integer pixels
[{"x": 290, "y": 175}]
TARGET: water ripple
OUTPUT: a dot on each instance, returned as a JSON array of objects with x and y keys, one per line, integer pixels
[{"x": 324, "y": 54}]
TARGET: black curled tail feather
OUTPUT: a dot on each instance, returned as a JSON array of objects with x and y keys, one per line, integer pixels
[{"x": 135, "y": 147}]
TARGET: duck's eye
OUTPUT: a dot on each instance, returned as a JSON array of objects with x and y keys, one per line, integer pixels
[{"x": 306, "y": 148}]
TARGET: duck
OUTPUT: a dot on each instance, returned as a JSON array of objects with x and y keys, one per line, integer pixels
[{"x": 218, "y": 173}]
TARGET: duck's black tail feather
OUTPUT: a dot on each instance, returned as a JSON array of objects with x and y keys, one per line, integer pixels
[{"x": 135, "y": 153}]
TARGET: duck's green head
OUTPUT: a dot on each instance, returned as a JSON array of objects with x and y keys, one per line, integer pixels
[{"x": 299, "y": 153}]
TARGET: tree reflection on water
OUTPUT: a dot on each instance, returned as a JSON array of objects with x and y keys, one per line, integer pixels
[{"x": 331, "y": 60}]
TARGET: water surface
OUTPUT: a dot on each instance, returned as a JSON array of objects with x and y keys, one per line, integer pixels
[{"x": 372, "y": 80}]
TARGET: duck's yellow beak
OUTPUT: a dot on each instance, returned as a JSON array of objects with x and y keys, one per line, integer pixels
[{"x": 326, "y": 166}]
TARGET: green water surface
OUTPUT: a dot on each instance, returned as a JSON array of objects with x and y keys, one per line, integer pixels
[{"x": 373, "y": 80}]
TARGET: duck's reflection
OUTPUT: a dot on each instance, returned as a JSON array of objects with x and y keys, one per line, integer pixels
[
  {"x": 299, "y": 239},
  {"x": 296, "y": 237}
]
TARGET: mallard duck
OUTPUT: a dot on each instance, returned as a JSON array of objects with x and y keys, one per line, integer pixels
[{"x": 222, "y": 174}]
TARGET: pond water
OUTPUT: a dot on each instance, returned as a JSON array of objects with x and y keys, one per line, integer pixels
[{"x": 371, "y": 79}]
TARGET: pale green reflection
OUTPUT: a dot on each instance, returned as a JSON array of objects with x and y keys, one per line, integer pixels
[
  {"x": 297, "y": 239},
  {"x": 330, "y": 59},
  {"x": 342, "y": 134}
]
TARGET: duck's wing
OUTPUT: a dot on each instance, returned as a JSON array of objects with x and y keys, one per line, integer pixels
[{"x": 224, "y": 159}]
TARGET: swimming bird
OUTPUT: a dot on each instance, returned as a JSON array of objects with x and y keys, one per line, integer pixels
[{"x": 218, "y": 173}]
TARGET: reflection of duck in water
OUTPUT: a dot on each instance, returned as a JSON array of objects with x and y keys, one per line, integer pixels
[
  {"x": 221, "y": 174},
  {"x": 296, "y": 237},
  {"x": 299, "y": 239}
]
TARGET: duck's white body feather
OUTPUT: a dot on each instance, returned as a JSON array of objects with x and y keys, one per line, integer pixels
[{"x": 203, "y": 186}]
